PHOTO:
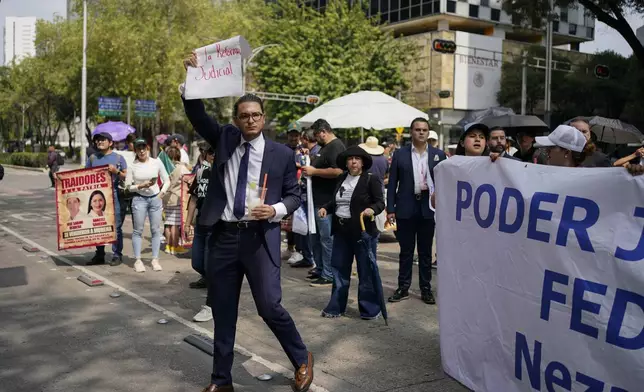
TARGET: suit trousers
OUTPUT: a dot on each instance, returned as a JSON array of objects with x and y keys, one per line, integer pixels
[
  {"x": 411, "y": 232},
  {"x": 233, "y": 254}
]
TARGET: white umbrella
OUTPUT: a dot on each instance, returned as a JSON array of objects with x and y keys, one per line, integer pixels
[{"x": 364, "y": 109}]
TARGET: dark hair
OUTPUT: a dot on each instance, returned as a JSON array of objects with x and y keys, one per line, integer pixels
[
  {"x": 579, "y": 119},
  {"x": 497, "y": 129},
  {"x": 173, "y": 153},
  {"x": 321, "y": 125},
  {"x": 130, "y": 138},
  {"x": 421, "y": 119},
  {"x": 89, "y": 204},
  {"x": 309, "y": 135},
  {"x": 247, "y": 98}
]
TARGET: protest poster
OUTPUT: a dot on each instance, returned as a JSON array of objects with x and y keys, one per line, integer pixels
[
  {"x": 541, "y": 276},
  {"x": 220, "y": 71},
  {"x": 85, "y": 208},
  {"x": 187, "y": 229}
]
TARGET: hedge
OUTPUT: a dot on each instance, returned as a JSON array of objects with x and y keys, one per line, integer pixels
[
  {"x": 29, "y": 159},
  {"x": 5, "y": 158}
]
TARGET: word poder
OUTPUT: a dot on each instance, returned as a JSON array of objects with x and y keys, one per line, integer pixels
[{"x": 219, "y": 72}]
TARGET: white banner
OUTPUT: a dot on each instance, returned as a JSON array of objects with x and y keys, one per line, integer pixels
[
  {"x": 219, "y": 71},
  {"x": 541, "y": 281}
]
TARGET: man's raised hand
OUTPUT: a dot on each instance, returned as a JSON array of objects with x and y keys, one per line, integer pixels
[{"x": 190, "y": 61}]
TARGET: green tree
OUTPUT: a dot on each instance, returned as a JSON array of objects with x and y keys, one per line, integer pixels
[
  {"x": 329, "y": 54},
  {"x": 610, "y": 12}
]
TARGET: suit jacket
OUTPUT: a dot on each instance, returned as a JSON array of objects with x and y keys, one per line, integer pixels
[
  {"x": 278, "y": 162},
  {"x": 367, "y": 194},
  {"x": 401, "y": 196}
]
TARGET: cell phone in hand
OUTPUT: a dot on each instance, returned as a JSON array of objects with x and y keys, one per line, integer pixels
[{"x": 154, "y": 180}]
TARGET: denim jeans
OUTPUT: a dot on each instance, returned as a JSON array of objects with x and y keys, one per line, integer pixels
[
  {"x": 200, "y": 248},
  {"x": 150, "y": 207},
  {"x": 303, "y": 245},
  {"x": 322, "y": 244},
  {"x": 117, "y": 247},
  {"x": 345, "y": 247}
]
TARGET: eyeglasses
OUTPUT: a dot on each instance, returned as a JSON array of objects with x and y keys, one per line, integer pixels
[{"x": 247, "y": 116}]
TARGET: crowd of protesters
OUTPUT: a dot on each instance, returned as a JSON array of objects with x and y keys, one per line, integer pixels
[{"x": 390, "y": 184}]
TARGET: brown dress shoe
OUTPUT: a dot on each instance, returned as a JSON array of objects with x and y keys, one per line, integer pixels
[
  {"x": 215, "y": 388},
  {"x": 304, "y": 376}
]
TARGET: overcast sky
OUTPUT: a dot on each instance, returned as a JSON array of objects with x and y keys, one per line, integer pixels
[{"x": 605, "y": 37}]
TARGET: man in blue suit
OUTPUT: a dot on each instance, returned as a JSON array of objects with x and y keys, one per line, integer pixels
[
  {"x": 408, "y": 204},
  {"x": 244, "y": 241}
]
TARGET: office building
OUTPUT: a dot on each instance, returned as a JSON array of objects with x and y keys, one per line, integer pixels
[{"x": 19, "y": 38}]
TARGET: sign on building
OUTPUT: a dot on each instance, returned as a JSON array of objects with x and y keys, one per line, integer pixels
[{"x": 477, "y": 71}]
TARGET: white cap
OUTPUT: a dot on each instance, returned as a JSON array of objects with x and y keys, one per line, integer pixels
[
  {"x": 563, "y": 136},
  {"x": 432, "y": 135}
]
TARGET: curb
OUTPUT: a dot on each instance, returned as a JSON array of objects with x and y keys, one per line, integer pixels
[{"x": 35, "y": 169}]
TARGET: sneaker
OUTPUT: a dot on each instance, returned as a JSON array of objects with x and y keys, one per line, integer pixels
[
  {"x": 376, "y": 317},
  {"x": 99, "y": 258},
  {"x": 399, "y": 295},
  {"x": 179, "y": 250},
  {"x": 303, "y": 264},
  {"x": 321, "y": 282},
  {"x": 313, "y": 275},
  {"x": 138, "y": 266},
  {"x": 295, "y": 257},
  {"x": 172, "y": 250},
  {"x": 116, "y": 261},
  {"x": 168, "y": 249},
  {"x": 155, "y": 265},
  {"x": 199, "y": 284},
  {"x": 330, "y": 315},
  {"x": 428, "y": 298},
  {"x": 205, "y": 314}
]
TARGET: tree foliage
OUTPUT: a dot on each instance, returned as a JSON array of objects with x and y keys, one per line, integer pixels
[
  {"x": 610, "y": 12},
  {"x": 579, "y": 92},
  {"x": 329, "y": 54}
]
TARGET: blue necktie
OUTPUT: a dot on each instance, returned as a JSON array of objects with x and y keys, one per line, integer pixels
[{"x": 239, "y": 208}]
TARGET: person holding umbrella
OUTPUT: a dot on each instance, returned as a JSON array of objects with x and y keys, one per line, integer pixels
[{"x": 359, "y": 194}]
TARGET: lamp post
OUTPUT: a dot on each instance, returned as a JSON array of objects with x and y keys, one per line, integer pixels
[
  {"x": 22, "y": 129},
  {"x": 549, "y": 33},
  {"x": 83, "y": 153},
  {"x": 247, "y": 63}
]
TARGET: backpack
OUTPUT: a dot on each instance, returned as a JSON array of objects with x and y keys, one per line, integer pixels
[{"x": 59, "y": 159}]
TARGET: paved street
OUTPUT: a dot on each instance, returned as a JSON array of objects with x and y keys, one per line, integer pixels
[{"x": 57, "y": 334}]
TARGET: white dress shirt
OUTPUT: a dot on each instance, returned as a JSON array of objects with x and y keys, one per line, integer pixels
[
  {"x": 231, "y": 173},
  {"x": 421, "y": 167}
]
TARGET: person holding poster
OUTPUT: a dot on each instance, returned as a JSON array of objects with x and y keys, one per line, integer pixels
[
  {"x": 146, "y": 201},
  {"x": 117, "y": 167},
  {"x": 172, "y": 202},
  {"x": 245, "y": 240},
  {"x": 78, "y": 191}
]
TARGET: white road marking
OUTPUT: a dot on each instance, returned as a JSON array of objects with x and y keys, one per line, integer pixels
[{"x": 274, "y": 367}]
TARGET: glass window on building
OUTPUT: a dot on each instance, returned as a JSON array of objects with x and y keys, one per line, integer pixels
[
  {"x": 563, "y": 15},
  {"x": 590, "y": 32},
  {"x": 474, "y": 11},
  {"x": 485, "y": 3},
  {"x": 572, "y": 29},
  {"x": 495, "y": 15},
  {"x": 451, "y": 6},
  {"x": 555, "y": 26}
]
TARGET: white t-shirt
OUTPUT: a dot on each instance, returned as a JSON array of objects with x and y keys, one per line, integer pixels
[
  {"x": 129, "y": 157},
  {"x": 184, "y": 156},
  {"x": 343, "y": 197},
  {"x": 145, "y": 171}
]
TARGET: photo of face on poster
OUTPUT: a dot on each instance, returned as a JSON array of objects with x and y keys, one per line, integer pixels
[{"x": 85, "y": 208}]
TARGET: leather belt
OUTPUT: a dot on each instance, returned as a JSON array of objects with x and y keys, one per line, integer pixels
[
  {"x": 240, "y": 225},
  {"x": 419, "y": 196},
  {"x": 342, "y": 221}
]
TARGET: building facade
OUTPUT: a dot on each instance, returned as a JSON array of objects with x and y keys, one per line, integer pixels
[{"x": 19, "y": 38}]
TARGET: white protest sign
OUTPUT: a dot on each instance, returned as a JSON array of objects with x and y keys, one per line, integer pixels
[
  {"x": 541, "y": 276},
  {"x": 219, "y": 72}
]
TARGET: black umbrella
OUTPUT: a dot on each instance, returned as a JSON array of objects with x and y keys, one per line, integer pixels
[
  {"x": 366, "y": 241},
  {"x": 612, "y": 131},
  {"x": 477, "y": 115},
  {"x": 514, "y": 124}
]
